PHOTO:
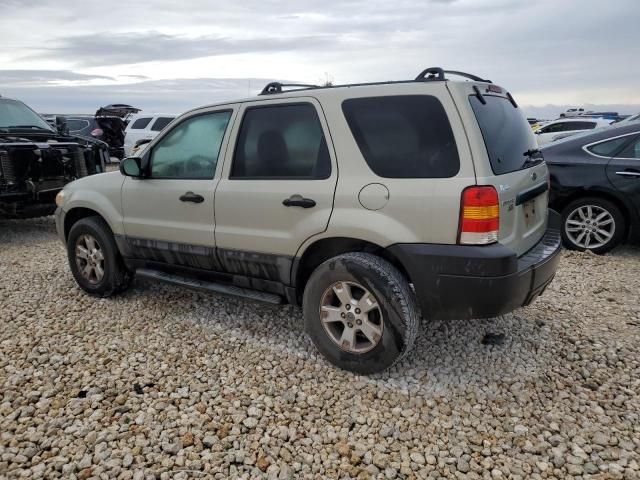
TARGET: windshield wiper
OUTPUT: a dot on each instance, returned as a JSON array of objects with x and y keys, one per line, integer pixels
[{"x": 534, "y": 157}]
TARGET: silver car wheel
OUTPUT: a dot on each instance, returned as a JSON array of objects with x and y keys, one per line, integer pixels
[
  {"x": 351, "y": 317},
  {"x": 89, "y": 258},
  {"x": 590, "y": 226}
]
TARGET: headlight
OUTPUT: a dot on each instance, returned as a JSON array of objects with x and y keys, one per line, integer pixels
[{"x": 60, "y": 198}]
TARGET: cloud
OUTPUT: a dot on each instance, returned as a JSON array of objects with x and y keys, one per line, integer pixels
[
  {"x": 44, "y": 77},
  {"x": 106, "y": 48}
]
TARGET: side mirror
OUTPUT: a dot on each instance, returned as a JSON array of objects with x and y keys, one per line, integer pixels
[{"x": 131, "y": 167}]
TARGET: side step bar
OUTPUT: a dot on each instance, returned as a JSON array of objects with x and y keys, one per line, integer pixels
[{"x": 211, "y": 287}]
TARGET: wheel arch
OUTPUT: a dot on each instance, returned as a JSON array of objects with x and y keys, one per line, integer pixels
[
  {"x": 326, "y": 248},
  {"x": 78, "y": 213}
]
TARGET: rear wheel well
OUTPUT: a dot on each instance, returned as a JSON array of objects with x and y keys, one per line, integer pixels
[
  {"x": 327, "y": 248},
  {"x": 561, "y": 205},
  {"x": 76, "y": 214}
]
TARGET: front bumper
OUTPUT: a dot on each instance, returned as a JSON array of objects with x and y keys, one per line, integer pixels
[{"x": 461, "y": 282}]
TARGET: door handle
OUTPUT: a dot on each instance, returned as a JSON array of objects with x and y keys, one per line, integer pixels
[
  {"x": 192, "y": 197},
  {"x": 628, "y": 173},
  {"x": 298, "y": 201}
]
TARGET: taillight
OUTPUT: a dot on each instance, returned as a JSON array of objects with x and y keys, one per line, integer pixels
[
  {"x": 96, "y": 132},
  {"x": 479, "y": 216}
]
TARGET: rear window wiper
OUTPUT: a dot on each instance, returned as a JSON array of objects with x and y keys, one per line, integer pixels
[{"x": 534, "y": 157}]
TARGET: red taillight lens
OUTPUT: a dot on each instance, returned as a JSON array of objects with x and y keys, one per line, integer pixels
[
  {"x": 479, "y": 216},
  {"x": 96, "y": 132}
]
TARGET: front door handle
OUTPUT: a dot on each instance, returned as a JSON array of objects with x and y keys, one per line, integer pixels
[
  {"x": 192, "y": 197},
  {"x": 298, "y": 201},
  {"x": 628, "y": 173}
]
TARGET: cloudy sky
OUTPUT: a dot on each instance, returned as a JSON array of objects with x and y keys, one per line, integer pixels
[{"x": 168, "y": 55}]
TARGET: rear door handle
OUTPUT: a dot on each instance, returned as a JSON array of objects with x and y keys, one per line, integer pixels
[
  {"x": 628, "y": 173},
  {"x": 192, "y": 197},
  {"x": 298, "y": 201}
]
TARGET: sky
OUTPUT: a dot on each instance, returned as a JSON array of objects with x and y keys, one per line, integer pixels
[{"x": 65, "y": 56}]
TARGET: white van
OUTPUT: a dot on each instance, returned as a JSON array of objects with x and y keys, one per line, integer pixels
[{"x": 144, "y": 126}]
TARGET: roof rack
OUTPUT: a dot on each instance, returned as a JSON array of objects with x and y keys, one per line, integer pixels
[
  {"x": 427, "y": 75},
  {"x": 276, "y": 87},
  {"x": 437, "y": 73}
]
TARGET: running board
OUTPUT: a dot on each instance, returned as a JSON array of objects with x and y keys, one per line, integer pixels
[{"x": 211, "y": 287}]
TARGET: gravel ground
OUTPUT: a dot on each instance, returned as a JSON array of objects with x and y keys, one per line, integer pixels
[{"x": 166, "y": 383}]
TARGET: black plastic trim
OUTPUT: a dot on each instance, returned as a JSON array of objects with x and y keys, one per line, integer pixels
[
  {"x": 531, "y": 193},
  {"x": 461, "y": 282}
]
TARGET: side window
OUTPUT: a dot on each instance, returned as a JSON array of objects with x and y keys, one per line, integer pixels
[
  {"x": 403, "y": 136},
  {"x": 191, "y": 148},
  {"x": 608, "y": 148},
  {"x": 140, "y": 123},
  {"x": 579, "y": 126},
  {"x": 281, "y": 141},
  {"x": 631, "y": 151},
  {"x": 160, "y": 123},
  {"x": 554, "y": 128},
  {"x": 76, "y": 124}
]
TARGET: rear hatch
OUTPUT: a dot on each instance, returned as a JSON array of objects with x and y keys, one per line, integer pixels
[{"x": 509, "y": 160}]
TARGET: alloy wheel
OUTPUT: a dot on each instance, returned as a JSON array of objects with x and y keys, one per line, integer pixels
[
  {"x": 351, "y": 317},
  {"x": 590, "y": 226},
  {"x": 89, "y": 258}
]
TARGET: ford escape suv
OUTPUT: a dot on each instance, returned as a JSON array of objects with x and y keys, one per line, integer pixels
[{"x": 370, "y": 205}]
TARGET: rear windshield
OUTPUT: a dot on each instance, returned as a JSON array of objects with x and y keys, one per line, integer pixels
[
  {"x": 507, "y": 134},
  {"x": 406, "y": 136}
]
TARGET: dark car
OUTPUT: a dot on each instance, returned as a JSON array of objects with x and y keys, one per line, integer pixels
[
  {"x": 108, "y": 124},
  {"x": 37, "y": 160},
  {"x": 595, "y": 184}
]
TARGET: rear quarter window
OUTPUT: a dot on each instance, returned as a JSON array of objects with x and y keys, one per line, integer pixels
[{"x": 407, "y": 136}]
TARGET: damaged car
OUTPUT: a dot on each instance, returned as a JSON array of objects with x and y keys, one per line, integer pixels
[
  {"x": 37, "y": 160},
  {"x": 108, "y": 124}
]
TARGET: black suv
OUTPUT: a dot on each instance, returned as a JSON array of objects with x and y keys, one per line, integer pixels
[{"x": 36, "y": 161}]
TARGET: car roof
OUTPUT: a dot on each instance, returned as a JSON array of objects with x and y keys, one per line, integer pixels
[
  {"x": 591, "y": 136},
  {"x": 275, "y": 90},
  {"x": 581, "y": 119}
]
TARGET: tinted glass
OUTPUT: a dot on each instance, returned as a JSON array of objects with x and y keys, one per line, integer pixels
[
  {"x": 77, "y": 125},
  {"x": 283, "y": 141},
  {"x": 190, "y": 149},
  {"x": 631, "y": 151},
  {"x": 554, "y": 127},
  {"x": 506, "y": 133},
  {"x": 568, "y": 126},
  {"x": 140, "y": 123},
  {"x": 160, "y": 123},
  {"x": 608, "y": 148},
  {"x": 403, "y": 136}
]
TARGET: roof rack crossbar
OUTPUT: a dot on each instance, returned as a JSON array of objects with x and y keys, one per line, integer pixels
[
  {"x": 276, "y": 87},
  {"x": 437, "y": 73}
]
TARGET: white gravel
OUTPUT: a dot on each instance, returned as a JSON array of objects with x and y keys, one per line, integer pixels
[{"x": 166, "y": 383}]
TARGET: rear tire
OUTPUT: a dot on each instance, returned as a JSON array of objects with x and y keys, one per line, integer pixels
[
  {"x": 360, "y": 312},
  {"x": 592, "y": 223},
  {"x": 94, "y": 258}
]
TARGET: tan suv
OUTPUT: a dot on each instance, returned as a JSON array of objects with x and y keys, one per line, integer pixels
[{"x": 370, "y": 205}]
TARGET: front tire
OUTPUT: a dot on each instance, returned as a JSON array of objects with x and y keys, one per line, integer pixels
[
  {"x": 592, "y": 223},
  {"x": 94, "y": 258},
  {"x": 360, "y": 312}
]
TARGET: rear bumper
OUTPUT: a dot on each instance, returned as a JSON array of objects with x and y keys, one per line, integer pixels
[{"x": 458, "y": 282}]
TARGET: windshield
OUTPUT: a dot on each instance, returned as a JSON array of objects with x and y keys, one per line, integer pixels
[
  {"x": 14, "y": 114},
  {"x": 507, "y": 134}
]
